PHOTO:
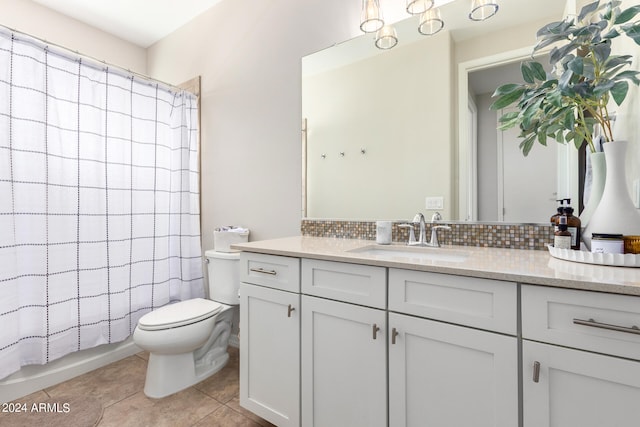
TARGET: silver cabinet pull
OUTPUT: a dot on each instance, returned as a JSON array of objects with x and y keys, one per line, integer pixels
[
  {"x": 289, "y": 310},
  {"x": 263, "y": 271},
  {"x": 536, "y": 372},
  {"x": 394, "y": 334},
  {"x": 375, "y": 331},
  {"x": 629, "y": 329}
]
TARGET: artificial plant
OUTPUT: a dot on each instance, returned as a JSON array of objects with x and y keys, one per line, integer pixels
[{"x": 573, "y": 98}]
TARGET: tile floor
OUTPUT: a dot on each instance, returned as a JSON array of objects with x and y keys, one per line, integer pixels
[{"x": 213, "y": 402}]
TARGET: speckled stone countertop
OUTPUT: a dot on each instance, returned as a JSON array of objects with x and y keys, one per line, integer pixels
[{"x": 515, "y": 265}]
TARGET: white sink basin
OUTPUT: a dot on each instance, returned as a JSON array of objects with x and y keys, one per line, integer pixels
[{"x": 412, "y": 253}]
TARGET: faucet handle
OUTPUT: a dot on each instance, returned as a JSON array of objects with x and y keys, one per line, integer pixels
[
  {"x": 441, "y": 227},
  {"x": 412, "y": 234}
]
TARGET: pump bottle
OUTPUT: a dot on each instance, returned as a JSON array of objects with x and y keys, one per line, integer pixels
[
  {"x": 554, "y": 218},
  {"x": 573, "y": 226}
]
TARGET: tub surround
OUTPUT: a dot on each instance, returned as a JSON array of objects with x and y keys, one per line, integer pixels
[
  {"x": 492, "y": 235},
  {"x": 524, "y": 266}
]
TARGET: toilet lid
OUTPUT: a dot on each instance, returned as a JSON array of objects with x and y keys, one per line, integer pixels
[{"x": 179, "y": 314}]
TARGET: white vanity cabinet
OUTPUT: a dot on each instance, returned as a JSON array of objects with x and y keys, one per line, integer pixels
[
  {"x": 331, "y": 343},
  {"x": 344, "y": 349},
  {"x": 581, "y": 358},
  {"x": 447, "y": 375},
  {"x": 270, "y": 337},
  {"x": 344, "y": 364}
]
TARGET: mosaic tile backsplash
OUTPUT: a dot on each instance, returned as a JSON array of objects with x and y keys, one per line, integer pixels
[{"x": 512, "y": 236}]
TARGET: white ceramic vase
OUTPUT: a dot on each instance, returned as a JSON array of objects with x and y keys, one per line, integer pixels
[
  {"x": 615, "y": 213},
  {"x": 598, "y": 175}
]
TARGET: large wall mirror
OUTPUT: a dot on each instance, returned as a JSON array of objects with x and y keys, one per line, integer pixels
[{"x": 382, "y": 136}]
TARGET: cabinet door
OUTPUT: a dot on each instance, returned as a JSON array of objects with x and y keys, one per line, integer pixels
[
  {"x": 442, "y": 375},
  {"x": 344, "y": 375},
  {"x": 577, "y": 388},
  {"x": 270, "y": 354}
]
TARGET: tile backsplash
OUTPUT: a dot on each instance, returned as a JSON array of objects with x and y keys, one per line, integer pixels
[{"x": 494, "y": 235}]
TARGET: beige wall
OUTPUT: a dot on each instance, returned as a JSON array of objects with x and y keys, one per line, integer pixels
[
  {"x": 500, "y": 41},
  {"x": 248, "y": 54},
  {"x": 385, "y": 105},
  {"x": 31, "y": 18}
]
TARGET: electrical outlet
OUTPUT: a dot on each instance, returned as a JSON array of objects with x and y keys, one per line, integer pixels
[{"x": 435, "y": 203}]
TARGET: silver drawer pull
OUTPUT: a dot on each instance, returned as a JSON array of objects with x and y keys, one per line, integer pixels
[
  {"x": 394, "y": 334},
  {"x": 536, "y": 371},
  {"x": 376, "y": 328},
  {"x": 629, "y": 329},
  {"x": 263, "y": 271}
]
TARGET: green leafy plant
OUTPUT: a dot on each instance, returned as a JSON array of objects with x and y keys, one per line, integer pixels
[{"x": 573, "y": 98}]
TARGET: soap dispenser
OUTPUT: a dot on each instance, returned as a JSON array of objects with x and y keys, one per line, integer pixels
[
  {"x": 555, "y": 218},
  {"x": 573, "y": 225}
]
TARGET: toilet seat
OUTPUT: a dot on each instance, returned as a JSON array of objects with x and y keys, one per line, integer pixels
[{"x": 179, "y": 314}]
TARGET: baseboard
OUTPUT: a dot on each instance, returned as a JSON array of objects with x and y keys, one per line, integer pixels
[{"x": 37, "y": 377}]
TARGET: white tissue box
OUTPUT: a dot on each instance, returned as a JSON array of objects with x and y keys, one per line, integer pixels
[{"x": 223, "y": 239}]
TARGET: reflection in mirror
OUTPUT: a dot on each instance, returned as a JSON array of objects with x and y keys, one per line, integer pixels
[
  {"x": 504, "y": 175},
  {"x": 381, "y": 127}
]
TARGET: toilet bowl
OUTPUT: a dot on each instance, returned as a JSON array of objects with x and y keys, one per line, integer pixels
[{"x": 187, "y": 341}]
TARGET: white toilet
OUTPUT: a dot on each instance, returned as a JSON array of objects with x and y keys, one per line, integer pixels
[{"x": 187, "y": 341}]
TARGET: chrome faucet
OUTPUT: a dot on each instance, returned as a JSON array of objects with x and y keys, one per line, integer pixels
[
  {"x": 419, "y": 219},
  {"x": 434, "y": 235},
  {"x": 422, "y": 240}
]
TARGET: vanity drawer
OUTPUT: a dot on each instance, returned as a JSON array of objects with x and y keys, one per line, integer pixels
[
  {"x": 359, "y": 284},
  {"x": 599, "y": 322},
  {"x": 273, "y": 271},
  {"x": 479, "y": 303}
]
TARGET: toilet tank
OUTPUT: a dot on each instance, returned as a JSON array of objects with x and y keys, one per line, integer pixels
[{"x": 224, "y": 277}]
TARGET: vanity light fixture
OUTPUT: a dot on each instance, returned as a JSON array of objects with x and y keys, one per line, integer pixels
[
  {"x": 386, "y": 37},
  {"x": 371, "y": 19},
  {"x": 416, "y": 7},
  {"x": 430, "y": 22},
  {"x": 483, "y": 9}
]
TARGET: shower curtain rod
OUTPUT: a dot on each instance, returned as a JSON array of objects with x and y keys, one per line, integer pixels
[{"x": 92, "y": 62}]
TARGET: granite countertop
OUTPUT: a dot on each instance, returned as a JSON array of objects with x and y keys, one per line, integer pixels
[{"x": 515, "y": 265}]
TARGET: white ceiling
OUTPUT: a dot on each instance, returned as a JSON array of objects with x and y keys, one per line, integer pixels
[{"x": 142, "y": 22}]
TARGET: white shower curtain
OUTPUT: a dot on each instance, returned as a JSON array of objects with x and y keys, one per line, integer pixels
[{"x": 99, "y": 203}]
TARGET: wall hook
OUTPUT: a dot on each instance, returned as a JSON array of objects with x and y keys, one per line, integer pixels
[
  {"x": 363, "y": 151},
  {"x": 342, "y": 154},
  {"x": 324, "y": 156}
]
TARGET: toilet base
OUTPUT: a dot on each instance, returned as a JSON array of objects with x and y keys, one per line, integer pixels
[{"x": 170, "y": 373}]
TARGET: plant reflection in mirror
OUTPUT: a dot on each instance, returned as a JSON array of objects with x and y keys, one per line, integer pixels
[{"x": 567, "y": 104}]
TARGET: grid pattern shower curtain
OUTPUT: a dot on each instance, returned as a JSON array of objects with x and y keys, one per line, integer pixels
[{"x": 99, "y": 203}]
